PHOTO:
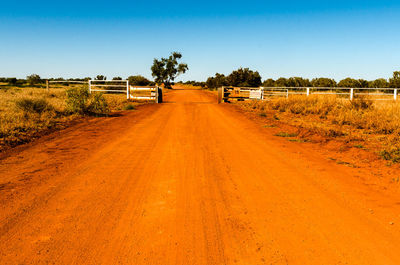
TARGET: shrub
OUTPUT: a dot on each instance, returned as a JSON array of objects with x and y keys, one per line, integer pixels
[
  {"x": 30, "y": 105},
  {"x": 81, "y": 102},
  {"x": 392, "y": 155},
  {"x": 77, "y": 99},
  {"x": 129, "y": 107},
  {"x": 33, "y": 79},
  {"x": 285, "y": 134},
  {"x": 361, "y": 103},
  {"x": 97, "y": 104}
]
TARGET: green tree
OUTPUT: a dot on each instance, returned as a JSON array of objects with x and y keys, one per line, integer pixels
[
  {"x": 100, "y": 77},
  {"x": 11, "y": 81},
  {"x": 117, "y": 78},
  {"x": 269, "y": 83},
  {"x": 378, "y": 83},
  {"x": 138, "y": 80},
  {"x": 218, "y": 80},
  {"x": 323, "y": 82},
  {"x": 281, "y": 82},
  {"x": 363, "y": 82},
  {"x": 298, "y": 82},
  {"x": 165, "y": 70},
  {"x": 349, "y": 82},
  {"x": 395, "y": 81},
  {"x": 244, "y": 77},
  {"x": 33, "y": 79}
]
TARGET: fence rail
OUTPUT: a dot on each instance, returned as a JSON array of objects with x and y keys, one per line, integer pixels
[
  {"x": 263, "y": 93},
  {"x": 97, "y": 86}
]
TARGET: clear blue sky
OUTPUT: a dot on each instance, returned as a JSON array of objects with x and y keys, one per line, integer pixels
[{"x": 278, "y": 38}]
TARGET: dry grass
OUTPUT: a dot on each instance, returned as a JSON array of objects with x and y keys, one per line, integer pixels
[
  {"x": 361, "y": 120},
  {"x": 20, "y": 122}
]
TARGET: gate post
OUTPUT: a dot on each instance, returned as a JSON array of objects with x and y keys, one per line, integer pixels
[
  {"x": 220, "y": 93},
  {"x": 128, "y": 92},
  {"x": 395, "y": 94},
  {"x": 351, "y": 93},
  {"x": 159, "y": 94}
]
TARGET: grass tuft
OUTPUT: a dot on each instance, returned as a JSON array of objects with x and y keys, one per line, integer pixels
[
  {"x": 285, "y": 134},
  {"x": 391, "y": 155},
  {"x": 33, "y": 105}
]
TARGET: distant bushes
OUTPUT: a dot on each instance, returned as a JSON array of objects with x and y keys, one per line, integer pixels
[
  {"x": 138, "y": 80},
  {"x": 243, "y": 77},
  {"x": 193, "y": 83}
]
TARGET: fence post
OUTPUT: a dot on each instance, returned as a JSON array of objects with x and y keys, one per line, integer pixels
[
  {"x": 261, "y": 94},
  {"x": 220, "y": 92},
  {"x": 287, "y": 93},
  {"x": 308, "y": 91},
  {"x": 351, "y": 93},
  {"x": 127, "y": 89},
  {"x": 90, "y": 86},
  {"x": 395, "y": 94},
  {"x": 47, "y": 85}
]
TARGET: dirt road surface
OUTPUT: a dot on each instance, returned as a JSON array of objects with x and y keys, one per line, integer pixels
[{"x": 188, "y": 182}]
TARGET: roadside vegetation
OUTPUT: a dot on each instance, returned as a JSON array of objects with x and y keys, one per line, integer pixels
[
  {"x": 362, "y": 122},
  {"x": 29, "y": 108},
  {"x": 28, "y": 112}
]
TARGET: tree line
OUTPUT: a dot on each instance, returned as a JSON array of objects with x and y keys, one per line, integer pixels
[
  {"x": 36, "y": 80},
  {"x": 165, "y": 70},
  {"x": 244, "y": 77}
]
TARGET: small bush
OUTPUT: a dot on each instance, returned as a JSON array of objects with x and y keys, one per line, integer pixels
[
  {"x": 81, "y": 102},
  {"x": 361, "y": 103},
  {"x": 392, "y": 155},
  {"x": 129, "y": 106},
  {"x": 285, "y": 134},
  {"x": 30, "y": 105},
  {"x": 77, "y": 99},
  {"x": 97, "y": 104}
]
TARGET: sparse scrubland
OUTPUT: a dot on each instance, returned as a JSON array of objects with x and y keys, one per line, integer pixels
[
  {"x": 362, "y": 122},
  {"x": 26, "y": 113}
]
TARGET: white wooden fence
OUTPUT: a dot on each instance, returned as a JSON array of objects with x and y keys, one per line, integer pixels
[
  {"x": 48, "y": 82},
  {"x": 375, "y": 93},
  {"x": 144, "y": 93},
  {"x": 115, "y": 86},
  {"x": 122, "y": 86},
  {"x": 265, "y": 93}
]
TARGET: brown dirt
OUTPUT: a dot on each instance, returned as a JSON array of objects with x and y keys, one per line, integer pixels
[{"x": 191, "y": 182}]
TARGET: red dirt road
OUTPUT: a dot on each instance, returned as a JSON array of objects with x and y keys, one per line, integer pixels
[{"x": 188, "y": 182}]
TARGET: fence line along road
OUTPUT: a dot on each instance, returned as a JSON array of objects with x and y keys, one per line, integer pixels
[
  {"x": 153, "y": 93},
  {"x": 263, "y": 93},
  {"x": 48, "y": 82}
]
